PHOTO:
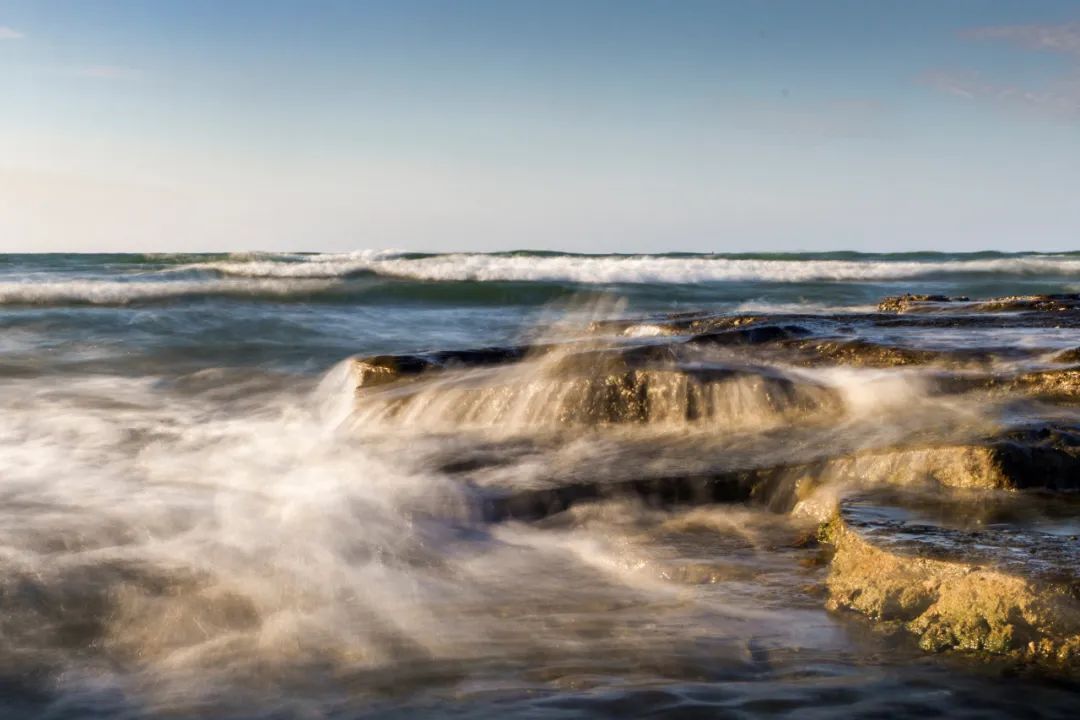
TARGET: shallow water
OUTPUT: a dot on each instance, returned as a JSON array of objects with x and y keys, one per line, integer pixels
[{"x": 199, "y": 517}]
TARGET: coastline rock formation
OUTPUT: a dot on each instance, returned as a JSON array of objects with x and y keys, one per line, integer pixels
[
  {"x": 1009, "y": 590},
  {"x": 950, "y": 521}
]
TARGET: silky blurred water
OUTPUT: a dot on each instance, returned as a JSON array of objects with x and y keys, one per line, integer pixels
[{"x": 194, "y": 523}]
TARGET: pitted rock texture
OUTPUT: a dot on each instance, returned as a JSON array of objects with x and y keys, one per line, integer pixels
[{"x": 1009, "y": 591}]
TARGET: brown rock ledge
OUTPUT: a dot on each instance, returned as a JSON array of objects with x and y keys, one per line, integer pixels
[{"x": 1008, "y": 590}]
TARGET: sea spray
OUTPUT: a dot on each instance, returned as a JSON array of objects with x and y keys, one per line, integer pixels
[
  {"x": 615, "y": 269},
  {"x": 201, "y": 516},
  {"x": 189, "y": 551}
]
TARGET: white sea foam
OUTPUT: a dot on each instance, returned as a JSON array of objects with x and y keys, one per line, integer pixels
[
  {"x": 254, "y": 274},
  {"x": 262, "y": 265},
  {"x": 803, "y": 308},
  {"x": 628, "y": 268},
  {"x": 200, "y": 543},
  {"x": 119, "y": 292},
  {"x": 178, "y": 548}
]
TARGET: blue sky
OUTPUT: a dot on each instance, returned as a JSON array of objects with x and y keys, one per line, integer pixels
[{"x": 589, "y": 126}]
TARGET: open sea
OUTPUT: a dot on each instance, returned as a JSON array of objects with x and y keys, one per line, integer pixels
[{"x": 201, "y": 515}]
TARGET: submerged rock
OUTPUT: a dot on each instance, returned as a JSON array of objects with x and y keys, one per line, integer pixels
[
  {"x": 1068, "y": 356},
  {"x": 777, "y": 488},
  {"x": 1030, "y": 303},
  {"x": 383, "y": 369},
  {"x": 908, "y": 302},
  {"x": 1004, "y": 591},
  {"x": 929, "y": 312},
  {"x": 1046, "y": 460},
  {"x": 999, "y": 465},
  {"x": 753, "y": 335},
  {"x": 1010, "y": 303},
  {"x": 1056, "y": 384},
  {"x": 645, "y": 384},
  {"x": 861, "y": 353},
  {"x": 701, "y": 408}
]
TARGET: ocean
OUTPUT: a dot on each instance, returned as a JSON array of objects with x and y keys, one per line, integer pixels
[{"x": 210, "y": 508}]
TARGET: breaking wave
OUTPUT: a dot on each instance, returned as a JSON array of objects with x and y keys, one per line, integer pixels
[
  {"x": 619, "y": 269},
  {"x": 502, "y": 278},
  {"x": 120, "y": 292}
]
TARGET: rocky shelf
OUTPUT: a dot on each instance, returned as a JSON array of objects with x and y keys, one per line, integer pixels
[
  {"x": 949, "y": 518},
  {"x": 960, "y": 577}
]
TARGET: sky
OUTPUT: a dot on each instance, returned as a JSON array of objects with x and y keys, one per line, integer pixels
[{"x": 584, "y": 125}]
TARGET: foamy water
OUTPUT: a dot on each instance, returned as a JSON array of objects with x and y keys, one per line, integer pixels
[
  {"x": 201, "y": 517},
  {"x": 631, "y": 268},
  {"x": 181, "y": 548},
  {"x": 161, "y": 277}
]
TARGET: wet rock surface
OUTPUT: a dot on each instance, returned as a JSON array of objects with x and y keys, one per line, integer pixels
[
  {"x": 1046, "y": 460},
  {"x": 650, "y": 384},
  {"x": 951, "y": 520},
  {"x": 1012, "y": 303},
  {"x": 1055, "y": 384},
  {"x": 904, "y": 303},
  {"x": 1008, "y": 587},
  {"x": 383, "y": 369}
]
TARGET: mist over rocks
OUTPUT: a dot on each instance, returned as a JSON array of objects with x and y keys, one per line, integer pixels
[
  {"x": 309, "y": 489},
  {"x": 799, "y": 415}
]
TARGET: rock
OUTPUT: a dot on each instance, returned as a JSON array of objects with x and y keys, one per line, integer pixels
[
  {"x": 704, "y": 323},
  {"x": 767, "y": 486},
  {"x": 950, "y": 535},
  {"x": 1010, "y": 303},
  {"x": 861, "y": 353},
  {"x": 1058, "y": 384},
  {"x": 383, "y": 369},
  {"x": 753, "y": 335},
  {"x": 1030, "y": 303},
  {"x": 644, "y": 384},
  {"x": 916, "y": 311},
  {"x": 1044, "y": 459},
  {"x": 1004, "y": 591},
  {"x": 908, "y": 302},
  {"x": 1068, "y": 356}
]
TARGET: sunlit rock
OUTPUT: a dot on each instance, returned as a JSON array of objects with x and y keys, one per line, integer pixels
[{"x": 1003, "y": 590}]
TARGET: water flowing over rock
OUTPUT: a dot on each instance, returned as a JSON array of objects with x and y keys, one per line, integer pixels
[
  {"x": 534, "y": 485},
  {"x": 786, "y": 413},
  {"x": 646, "y": 384}
]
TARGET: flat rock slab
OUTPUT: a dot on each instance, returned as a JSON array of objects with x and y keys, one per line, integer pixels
[
  {"x": 1044, "y": 458},
  {"x": 1034, "y": 536},
  {"x": 1061, "y": 384},
  {"x": 582, "y": 386},
  {"x": 688, "y": 472},
  {"x": 1008, "y": 587},
  {"x": 936, "y": 316},
  {"x": 1011, "y": 303}
]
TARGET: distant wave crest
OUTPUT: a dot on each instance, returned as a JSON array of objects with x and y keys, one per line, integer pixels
[
  {"x": 332, "y": 276},
  {"x": 120, "y": 292},
  {"x": 616, "y": 269}
]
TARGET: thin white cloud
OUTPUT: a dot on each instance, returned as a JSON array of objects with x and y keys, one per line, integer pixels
[
  {"x": 1059, "y": 97},
  {"x": 963, "y": 85},
  {"x": 7, "y": 33},
  {"x": 1051, "y": 38},
  {"x": 107, "y": 72}
]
